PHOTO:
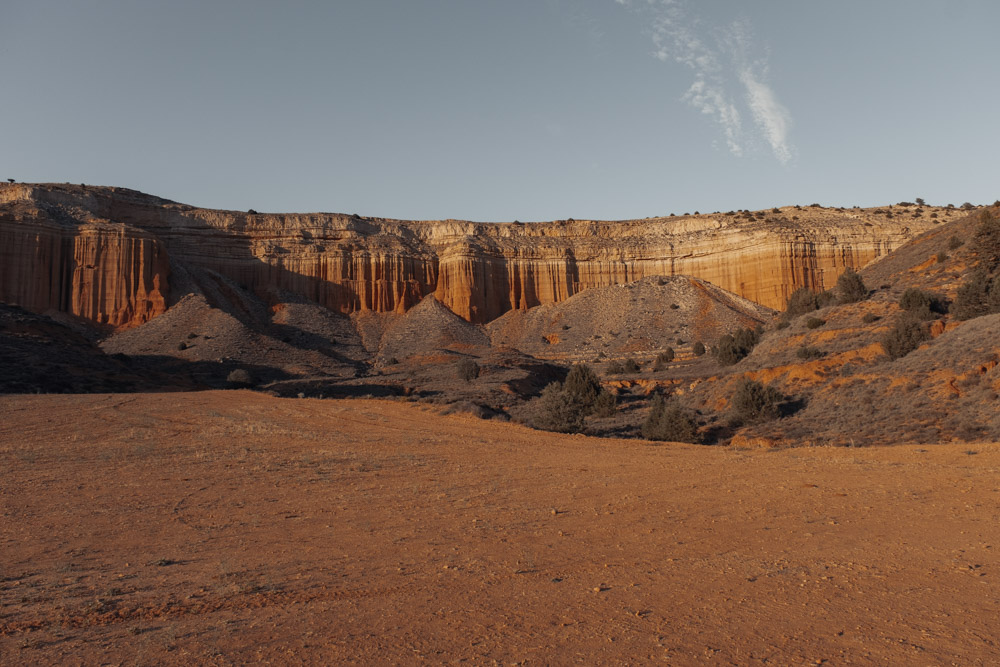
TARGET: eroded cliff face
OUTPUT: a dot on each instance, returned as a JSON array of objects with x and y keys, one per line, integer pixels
[
  {"x": 107, "y": 273},
  {"x": 102, "y": 253}
]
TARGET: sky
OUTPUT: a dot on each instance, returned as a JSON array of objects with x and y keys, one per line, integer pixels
[{"x": 501, "y": 110}]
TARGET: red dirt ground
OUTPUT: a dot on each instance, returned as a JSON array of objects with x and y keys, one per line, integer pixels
[{"x": 233, "y": 528}]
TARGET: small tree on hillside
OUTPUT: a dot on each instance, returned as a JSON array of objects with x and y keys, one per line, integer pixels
[
  {"x": 850, "y": 287},
  {"x": 906, "y": 335},
  {"x": 754, "y": 402},
  {"x": 563, "y": 406},
  {"x": 663, "y": 358},
  {"x": 986, "y": 242},
  {"x": 730, "y": 349},
  {"x": 669, "y": 422}
]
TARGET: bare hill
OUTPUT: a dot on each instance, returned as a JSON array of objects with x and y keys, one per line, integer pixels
[{"x": 639, "y": 318}]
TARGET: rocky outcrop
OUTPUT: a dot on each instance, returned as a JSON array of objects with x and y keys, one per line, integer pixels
[
  {"x": 104, "y": 272},
  {"x": 102, "y": 253}
]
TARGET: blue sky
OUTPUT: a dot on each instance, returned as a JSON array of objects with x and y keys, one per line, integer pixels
[{"x": 520, "y": 109}]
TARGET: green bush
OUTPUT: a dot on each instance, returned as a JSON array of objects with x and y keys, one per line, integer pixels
[
  {"x": 851, "y": 287},
  {"x": 730, "y": 349},
  {"x": 605, "y": 405},
  {"x": 563, "y": 406},
  {"x": 663, "y": 358},
  {"x": 814, "y": 323},
  {"x": 468, "y": 370},
  {"x": 921, "y": 304},
  {"x": 583, "y": 384},
  {"x": 978, "y": 296},
  {"x": 755, "y": 402},
  {"x": 804, "y": 300},
  {"x": 807, "y": 352},
  {"x": 555, "y": 410},
  {"x": 986, "y": 242},
  {"x": 698, "y": 348},
  {"x": 906, "y": 335},
  {"x": 668, "y": 422}
]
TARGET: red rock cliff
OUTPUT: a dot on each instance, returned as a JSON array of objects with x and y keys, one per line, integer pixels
[{"x": 102, "y": 253}]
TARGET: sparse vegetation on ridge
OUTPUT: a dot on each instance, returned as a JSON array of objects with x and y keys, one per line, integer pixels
[
  {"x": 669, "y": 422},
  {"x": 564, "y": 406},
  {"x": 730, "y": 349},
  {"x": 754, "y": 402}
]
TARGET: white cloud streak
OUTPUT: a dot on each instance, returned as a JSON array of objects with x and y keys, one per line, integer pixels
[{"x": 725, "y": 76}]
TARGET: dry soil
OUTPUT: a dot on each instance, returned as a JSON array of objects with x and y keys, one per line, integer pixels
[{"x": 234, "y": 527}]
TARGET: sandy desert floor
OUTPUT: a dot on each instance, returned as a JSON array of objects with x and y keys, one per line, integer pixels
[{"x": 233, "y": 527}]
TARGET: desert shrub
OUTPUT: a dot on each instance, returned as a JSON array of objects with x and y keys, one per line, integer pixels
[
  {"x": 905, "y": 203},
  {"x": 814, "y": 323},
  {"x": 906, "y": 335},
  {"x": 755, "y": 402},
  {"x": 807, "y": 352},
  {"x": 583, "y": 384},
  {"x": 698, "y": 348},
  {"x": 239, "y": 378},
  {"x": 920, "y": 201},
  {"x": 954, "y": 243},
  {"x": 804, "y": 300},
  {"x": 563, "y": 406},
  {"x": 182, "y": 345},
  {"x": 870, "y": 317},
  {"x": 941, "y": 257},
  {"x": 632, "y": 366},
  {"x": 729, "y": 349},
  {"x": 468, "y": 370},
  {"x": 668, "y": 422},
  {"x": 967, "y": 206},
  {"x": 986, "y": 242},
  {"x": 850, "y": 287},
  {"x": 921, "y": 304},
  {"x": 555, "y": 410},
  {"x": 605, "y": 405},
  {"x": 783, "y": 323},
  {"x": 973, "y": 296},
  {"x": 615, "y": 368},
  {"x": 663, "y": 358}
]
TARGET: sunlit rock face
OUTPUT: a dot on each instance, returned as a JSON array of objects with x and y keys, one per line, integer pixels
[{"x": 105, "y": 254}]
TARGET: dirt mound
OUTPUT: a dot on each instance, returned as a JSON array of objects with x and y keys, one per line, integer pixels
[
  {"x": 41, "y": 355},
  {"x": 643, "y": 317},
  {"x": 430, "y": 331},
  {"x": 192, "y": 331}
]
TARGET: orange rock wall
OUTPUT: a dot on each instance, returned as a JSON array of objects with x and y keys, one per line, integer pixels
[
  {"x": 109, "y": 275},
  {"x": 117, "y": 240}
]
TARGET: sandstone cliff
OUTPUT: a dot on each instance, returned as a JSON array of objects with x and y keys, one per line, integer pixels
[{"x": 105, "y": 253}]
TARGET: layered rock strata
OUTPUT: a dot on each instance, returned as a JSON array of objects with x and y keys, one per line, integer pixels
[{"x": 102, "y": 253}]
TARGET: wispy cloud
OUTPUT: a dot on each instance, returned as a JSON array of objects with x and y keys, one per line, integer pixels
[{"x": 730, "y": 73}]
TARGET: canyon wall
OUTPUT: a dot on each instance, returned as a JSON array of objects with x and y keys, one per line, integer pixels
[
  {"x": 106, "y": 273},
  {"x": 105, "y": 253}
]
